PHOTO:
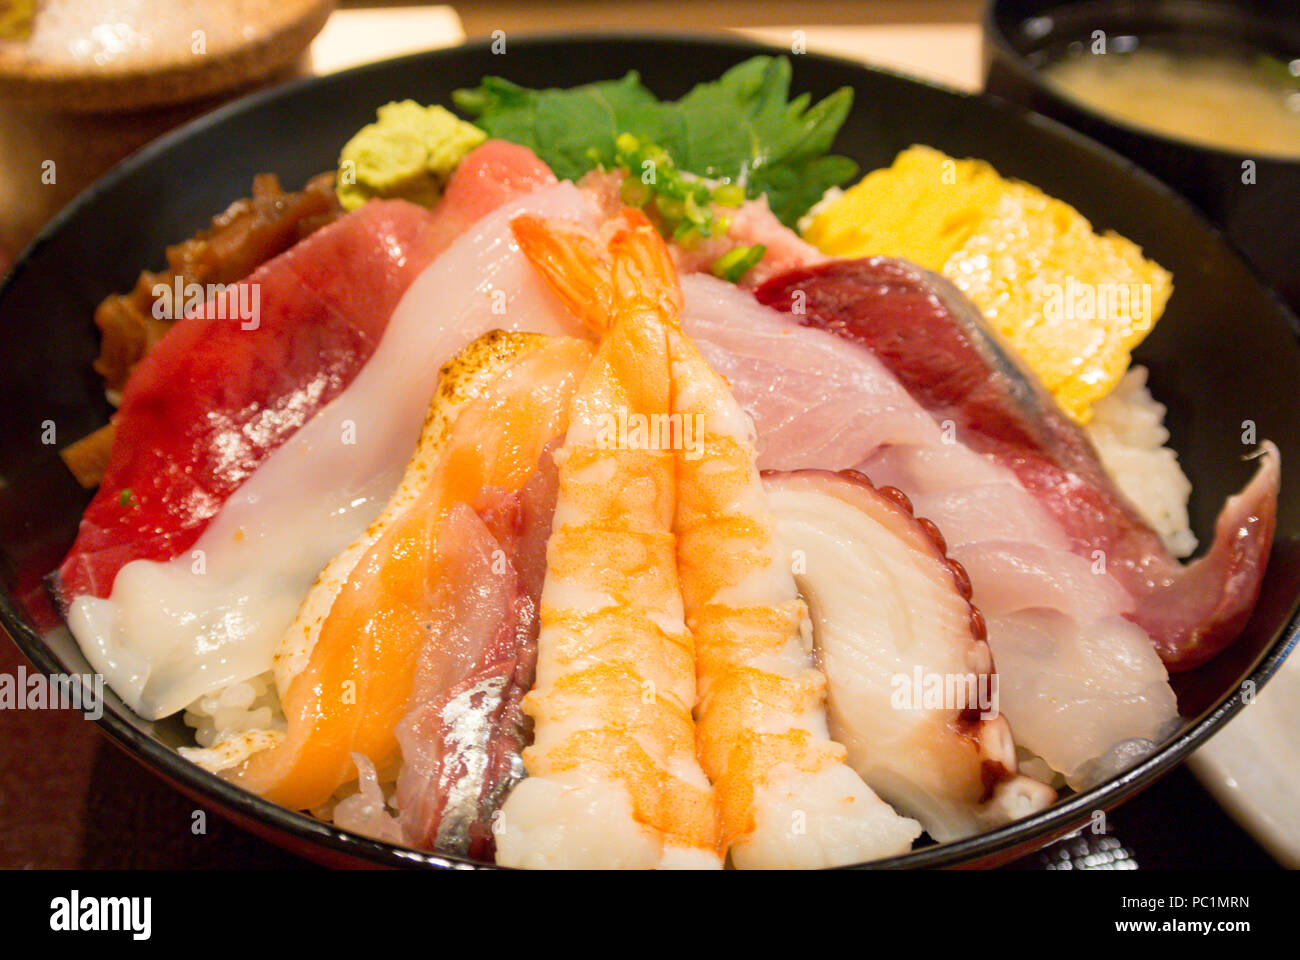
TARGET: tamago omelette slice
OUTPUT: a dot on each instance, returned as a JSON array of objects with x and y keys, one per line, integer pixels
[{"x": 1072, "y": 303}]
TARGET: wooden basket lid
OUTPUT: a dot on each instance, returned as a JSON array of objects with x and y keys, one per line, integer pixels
[{"x": 117, "y": 55}]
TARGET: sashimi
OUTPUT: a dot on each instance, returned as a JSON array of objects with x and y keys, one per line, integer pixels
[
  {"x": 427, "y": 591},
  {"x": 1070, "y": 685},
  {"x": 173, "y": 631},
  {"x": 912, "y": 691},
  {"x": 463, "y": 736},
  {"x": 942, "y": 350},
  {"x": 849, "y": 395},
  {"x": 752, "y": 224},
  {"x": 219, "y": 393},
  {"x": 816, "y": 403},
  {"x": 228, "y": 385},
  {"x": 487, "y": 177}
]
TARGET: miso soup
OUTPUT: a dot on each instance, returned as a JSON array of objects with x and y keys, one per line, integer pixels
[{"x": 1245, "y": 103}]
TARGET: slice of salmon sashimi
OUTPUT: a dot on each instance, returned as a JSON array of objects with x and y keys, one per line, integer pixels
[{"x": 395, "y": 608}]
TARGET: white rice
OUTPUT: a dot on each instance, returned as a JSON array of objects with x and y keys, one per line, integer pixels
[
  {"x": 1128, "y": 430},
  {"x": 237, "y": 708},
  {"x": 234, "y": 721}
]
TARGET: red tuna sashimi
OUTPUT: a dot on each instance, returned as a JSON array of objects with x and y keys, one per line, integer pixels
[
  {"x": 491, "y": 175},
  {"x": 939, "y": 346},
  {"x": 212, "y": 400}
]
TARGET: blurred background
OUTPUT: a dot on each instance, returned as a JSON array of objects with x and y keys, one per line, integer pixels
[{"x": 83, "y": 83}]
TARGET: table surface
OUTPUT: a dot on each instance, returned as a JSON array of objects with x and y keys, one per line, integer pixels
[{"x": 69, "y": 798}]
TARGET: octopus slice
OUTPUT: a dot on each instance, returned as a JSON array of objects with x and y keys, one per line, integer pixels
[{"x": 912, "y": 687}]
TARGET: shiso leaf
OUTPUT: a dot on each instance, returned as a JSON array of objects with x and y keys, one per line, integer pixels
[
  {"x": 742, "y": 128},
  {"x": 573, "y": 131}
]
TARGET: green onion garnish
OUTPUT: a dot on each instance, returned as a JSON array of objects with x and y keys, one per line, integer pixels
[{"x": 736, "y": 262}]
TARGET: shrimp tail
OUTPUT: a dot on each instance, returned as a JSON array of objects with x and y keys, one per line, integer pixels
[
  {"x": 643, "y": 267},
  {"x": 580, "y": 272},
  {"x": 572, "y": 263}
]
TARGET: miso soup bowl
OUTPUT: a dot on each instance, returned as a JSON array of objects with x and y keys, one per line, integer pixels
[{"x": 1254, "y": 198}]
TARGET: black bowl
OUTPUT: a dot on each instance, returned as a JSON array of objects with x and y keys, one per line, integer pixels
[
  {"x": 1225, "y": 352},
  {"x": 1261, "y": 217}
]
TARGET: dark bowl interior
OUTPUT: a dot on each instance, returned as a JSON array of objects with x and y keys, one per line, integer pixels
[
  {"x": 1225, "y": 352},
  {"x": 1259, "y": 209}
]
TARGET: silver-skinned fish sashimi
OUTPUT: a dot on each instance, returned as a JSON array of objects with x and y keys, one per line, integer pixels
[{"x": 948, "y": 357}]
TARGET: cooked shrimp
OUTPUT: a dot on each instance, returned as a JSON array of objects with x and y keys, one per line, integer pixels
[
  {"x": 786, "y": 796},
  {"x": 613, "y": 775}
]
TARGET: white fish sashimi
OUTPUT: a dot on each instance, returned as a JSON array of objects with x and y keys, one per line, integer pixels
[
  {"x": 816, "y": 403},
  {"x": 971, "y": 513},
  {"x": 1011, "y": 575},
  {"x": 172, "y": 631},
  {"x": 931, "y": 468},
  {"x": 819, "y": 401},
  {"x": 1073, "y": 687}
]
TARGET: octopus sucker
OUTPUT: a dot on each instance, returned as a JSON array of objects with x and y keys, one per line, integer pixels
[{"x": 912, "y": 685}]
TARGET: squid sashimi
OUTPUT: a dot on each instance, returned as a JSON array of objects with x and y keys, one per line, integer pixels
[
  {"x": 913, "y": 693},
  {"x": 766, "y": 357},
  {"x": 429, "y": 601},
  {"x": 613, "y": 779},
  {"x": 944, "y": 352},
  {"x": 226, "y": 386},
  {"x": 172, "y": 631}
]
